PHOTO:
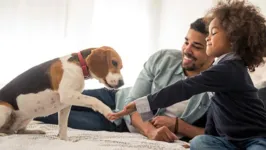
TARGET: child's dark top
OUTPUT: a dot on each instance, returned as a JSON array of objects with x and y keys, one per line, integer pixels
[{"x": 236, "y": 112}]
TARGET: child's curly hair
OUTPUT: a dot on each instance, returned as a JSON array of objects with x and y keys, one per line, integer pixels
[{"x": 245, "y": 27}]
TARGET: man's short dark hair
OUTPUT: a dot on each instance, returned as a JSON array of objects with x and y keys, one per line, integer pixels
[{"x": 200, "y": 26}]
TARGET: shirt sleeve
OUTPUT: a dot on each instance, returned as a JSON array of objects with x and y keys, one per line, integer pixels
[{"x": 217, "y": 78}]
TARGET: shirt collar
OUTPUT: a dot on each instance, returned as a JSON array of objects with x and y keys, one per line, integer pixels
[
  {"x": 227, "y": 56},
  {"x": 179, "y": 70}
]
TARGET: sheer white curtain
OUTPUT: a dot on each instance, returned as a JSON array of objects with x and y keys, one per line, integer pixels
[{"x": 32, "y": 31}]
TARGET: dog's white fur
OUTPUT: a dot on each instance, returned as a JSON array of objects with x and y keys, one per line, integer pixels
[{"x": 48, "y": 102}]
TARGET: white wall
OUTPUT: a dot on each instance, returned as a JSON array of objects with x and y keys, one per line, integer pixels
[
  {"x": 261, "y": 4},
  {"x": 33, "y": 31},
  {"x": 176, "y": 16}
]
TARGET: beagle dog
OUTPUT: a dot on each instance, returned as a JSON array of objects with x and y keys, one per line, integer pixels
[{"x": 54, "y": 86}]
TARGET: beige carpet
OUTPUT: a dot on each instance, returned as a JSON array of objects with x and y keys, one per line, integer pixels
[{"x": 83, "y": 140}]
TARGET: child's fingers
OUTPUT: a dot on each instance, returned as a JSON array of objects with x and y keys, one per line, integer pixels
[
  {"x": 115, "y": 116},
  {"x": 131, "y": 107}
]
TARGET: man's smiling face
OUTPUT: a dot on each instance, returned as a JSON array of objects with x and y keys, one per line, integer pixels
[{"x": 194, "y": 51}]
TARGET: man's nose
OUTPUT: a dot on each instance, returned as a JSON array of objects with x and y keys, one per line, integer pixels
[{"x": 188, "y": 49}]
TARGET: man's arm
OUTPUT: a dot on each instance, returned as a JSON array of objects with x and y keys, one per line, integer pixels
[
  {"x": 142, "y": 87},
  {"x": 148, "y": 129},
  {"x": 177, "y": 125},
  {"x": 145, "y": 128}
]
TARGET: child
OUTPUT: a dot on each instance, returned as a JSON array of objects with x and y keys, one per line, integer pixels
[{"x": 236, "y": 117}]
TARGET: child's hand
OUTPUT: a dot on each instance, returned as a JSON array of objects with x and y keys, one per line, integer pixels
[{"x": 128, "y": 109}]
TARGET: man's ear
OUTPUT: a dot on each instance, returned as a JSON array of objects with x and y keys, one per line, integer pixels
[{"x": 97, "y": 62}]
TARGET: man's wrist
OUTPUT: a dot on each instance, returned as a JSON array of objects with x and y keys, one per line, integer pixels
[{"x": 180, "y": 126}]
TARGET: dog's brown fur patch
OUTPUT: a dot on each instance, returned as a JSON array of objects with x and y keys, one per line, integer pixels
[
  {"x": 97, "y": 62},
  {"x": 56, "y": 73},
  {"x": 100, "y": 61},
  {"x": 114, "y": 56},
  {"x": 74, "y": 56},
  {"x": 6, "y": 104}
]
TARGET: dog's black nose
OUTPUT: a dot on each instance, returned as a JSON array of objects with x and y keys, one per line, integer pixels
[{"x": 120, "y": 83}]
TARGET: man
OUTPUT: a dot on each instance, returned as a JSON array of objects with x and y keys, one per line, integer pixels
[{"x": 162, "y": 69}]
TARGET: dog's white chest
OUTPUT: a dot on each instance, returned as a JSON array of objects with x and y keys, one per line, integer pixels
[{"x": 38, "y": 104}]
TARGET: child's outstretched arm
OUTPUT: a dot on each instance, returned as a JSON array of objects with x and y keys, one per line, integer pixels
[{"x": 220, "y": 77}]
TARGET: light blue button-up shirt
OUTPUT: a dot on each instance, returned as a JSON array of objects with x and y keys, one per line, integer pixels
[{"x": 162, "y": 69}]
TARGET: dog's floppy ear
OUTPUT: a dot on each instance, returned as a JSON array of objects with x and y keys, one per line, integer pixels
[{"x": 98, "y": 62}]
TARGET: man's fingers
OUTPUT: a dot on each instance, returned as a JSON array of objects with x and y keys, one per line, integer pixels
[
  {"x": 166, "y": 137},
  {"x": 171, "y": 136},
  {"x": 161, "y": 136},
  {"x": 152, "y": 121},
  {"x": 155, "y": 122},
  {"x": 155, "y": 119},
  {"x": 164, "y": 134},
  {"x": 157, "y": 125}
]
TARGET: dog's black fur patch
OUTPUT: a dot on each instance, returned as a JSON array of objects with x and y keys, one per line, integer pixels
[
  {"x": 84, "y": 53},
  {"x": 33, "y": 80}
]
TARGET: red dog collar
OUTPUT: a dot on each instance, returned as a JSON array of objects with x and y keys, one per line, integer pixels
[{"x": 83, "y": 66}]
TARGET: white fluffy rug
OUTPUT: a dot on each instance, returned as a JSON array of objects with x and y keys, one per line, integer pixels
[{"x": 83, "y": 140}]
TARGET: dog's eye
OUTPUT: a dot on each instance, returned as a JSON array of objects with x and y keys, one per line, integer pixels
[{"x": 114, "y": 63}]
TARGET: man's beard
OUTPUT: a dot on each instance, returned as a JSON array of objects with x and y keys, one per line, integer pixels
[{"x": 190, "y": 68}]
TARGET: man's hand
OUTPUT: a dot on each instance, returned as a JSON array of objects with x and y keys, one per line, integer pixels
[
  {"x": 160, "y": 121},
  {"x": 128, "y": 109},
  {"x": 162, "y": 134}
]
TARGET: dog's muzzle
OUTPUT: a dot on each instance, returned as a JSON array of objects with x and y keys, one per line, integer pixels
[{"x": 120, "y": 83}]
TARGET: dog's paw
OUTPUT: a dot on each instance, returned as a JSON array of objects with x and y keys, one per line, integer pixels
[{"x": 62, "y": 136}]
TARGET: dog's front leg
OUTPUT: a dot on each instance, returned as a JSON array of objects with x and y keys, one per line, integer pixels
[
  {"x": 63, "y": 122},
  {"x": 78, "y": 99}
]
